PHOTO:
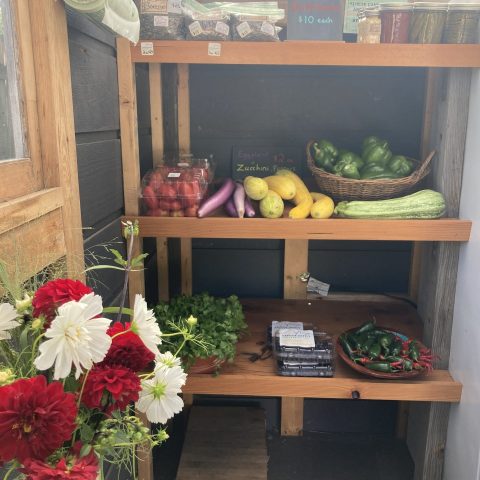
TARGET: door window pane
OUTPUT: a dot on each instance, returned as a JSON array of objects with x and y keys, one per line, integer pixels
[{"x": 11, "y": 131}]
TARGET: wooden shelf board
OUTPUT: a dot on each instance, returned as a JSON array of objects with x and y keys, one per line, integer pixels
[
  {"x": 259, "y": 378},
  {"x": 312, "y": 53},
  {"x": 445, "y": 229}
]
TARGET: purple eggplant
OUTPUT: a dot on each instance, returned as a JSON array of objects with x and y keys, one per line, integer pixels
[{"x": 219, "y": 198}]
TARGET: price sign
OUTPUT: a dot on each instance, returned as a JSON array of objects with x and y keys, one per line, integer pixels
[{"x": 315, "y": 20}]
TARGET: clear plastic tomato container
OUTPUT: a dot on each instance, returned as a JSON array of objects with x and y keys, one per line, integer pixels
[{"x": 173, "y": 191}]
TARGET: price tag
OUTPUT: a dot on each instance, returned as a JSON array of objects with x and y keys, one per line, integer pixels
[
  {"x": 195, "y": 28},
  {"x": 223, "y": 28},
  {"x": 243, "y": 29},
  {"x": 146, "y": 48},
  {"x": 174, "y": 175},
  {"x": 268, "y": 28},
  {"x": 174, "y": 6},
  {"x": 297, "y": 338},
  {"x": 160, "y": 21},
  {"x": 153, "y": 6},
  {"x": 214, "y": 49},
  {"x": 318, "y": 287}
]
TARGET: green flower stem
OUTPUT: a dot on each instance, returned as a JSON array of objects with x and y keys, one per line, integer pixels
[
  {"x": 81, "y": 390},
  {"x": 34, "y": 347},
  {"x": 121, "y": 333},
  {"x": 128, "y": 267},
  {"x": 10, "y": 471}
]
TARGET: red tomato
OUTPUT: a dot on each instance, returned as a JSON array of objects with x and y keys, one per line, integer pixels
[
  {"x": 191, "y": 211},
  {"x": 157, "y": 212},
  {"x": 167, "y": 190},
  {"x": 155, "y": 180},
  {"x": 149, "y": 197},
  {"x": 177, "y": 213},
  {"x": 176, "y": 205}
]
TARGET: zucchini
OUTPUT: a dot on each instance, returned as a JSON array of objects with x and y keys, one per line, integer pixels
[{"x": 422, "y": 204}]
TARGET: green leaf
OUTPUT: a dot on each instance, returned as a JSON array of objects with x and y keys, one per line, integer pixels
[
  {"x": 138, "y": 260},
  {"x": 103, "y": 267},
  {"x": 71, "y": 385},
  {"x": 86, "y": 433},
  {"x": 24, "y": 338},
  {"x": 120, "y": 261},
  {"x": 117, "y": 254},
  {"x": 85, "y": 450}
]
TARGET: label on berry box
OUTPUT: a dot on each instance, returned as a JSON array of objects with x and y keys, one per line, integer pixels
[
  {"x": 277, "y": 325},
  {"x": 174, "y": 6},
  {"x": 174, "y": 175},
  {"x": 214, "y": 49},
  {"x": 297, "y": 338},
  {"x": 268, "y": 28}
]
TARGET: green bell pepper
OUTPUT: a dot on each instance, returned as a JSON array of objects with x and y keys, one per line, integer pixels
[
  {"x": 369, "y": 141},
  {"x": 401, "y": 166},
  {"x": 328, "y": 147},
  {"x": 322, "y": 158},
  {"x": 346, "y": 169},
  {"x": 378, "y": 155},
  {"x": 351, "y": 157},
  {"x": 376, "y": 172}
]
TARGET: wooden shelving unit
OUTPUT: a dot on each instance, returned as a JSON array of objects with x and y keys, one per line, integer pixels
[
  {"x": 259, "y": 378},
  {"x": 310, "y": 53},
  {"x": 444, "y": 126},
  {"x": 447, "y": 229}
]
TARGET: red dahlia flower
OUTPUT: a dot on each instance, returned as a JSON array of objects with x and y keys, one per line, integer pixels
[
  {"x": 127, "y": 349},
  {"x": 55, "y": 293},
  {"x": 35, "y": 418},
  {"x": 110, "y": 388},
  {"x": 71, "y": 468}
]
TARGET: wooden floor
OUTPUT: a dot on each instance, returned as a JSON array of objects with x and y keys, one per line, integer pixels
[{"x": 224, "y": 443}]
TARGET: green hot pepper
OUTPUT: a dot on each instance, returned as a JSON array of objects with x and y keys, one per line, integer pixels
[
  {"x": 377, "y": 155},
  {"x": 400, "y": 166}
]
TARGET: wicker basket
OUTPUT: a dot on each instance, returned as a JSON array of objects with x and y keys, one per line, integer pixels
[{"x": 341, "y": 188}]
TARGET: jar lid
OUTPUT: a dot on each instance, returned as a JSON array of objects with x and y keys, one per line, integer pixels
[
  {"x": 430, "y": 6},
  {"x": 398, "y": 6},
  {"x": 464, "y": 6}
]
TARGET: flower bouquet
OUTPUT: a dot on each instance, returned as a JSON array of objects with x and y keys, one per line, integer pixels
[{"x": 69, "y": 378}]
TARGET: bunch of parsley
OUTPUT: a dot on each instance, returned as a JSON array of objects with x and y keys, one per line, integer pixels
[{"x": 220, "y": 321}]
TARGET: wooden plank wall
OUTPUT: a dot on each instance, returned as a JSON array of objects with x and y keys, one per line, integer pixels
[
  {"x": 239, "y": 105},
  {"x": 97, "y": 127}
]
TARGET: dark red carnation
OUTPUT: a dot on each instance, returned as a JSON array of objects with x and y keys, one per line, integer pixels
[
  {"x": 55, "y": 293},
  {"x": 72, "y": 468},
  {"x": 35, "y": 418},
  {"x": 110, "y": 388},
  {"x": 127, "y": 349}
]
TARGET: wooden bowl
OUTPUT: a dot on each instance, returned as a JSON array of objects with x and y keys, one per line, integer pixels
[{"x": 372, "y": 373}]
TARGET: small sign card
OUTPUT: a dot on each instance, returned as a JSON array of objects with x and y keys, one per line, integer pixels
[
  {"x": 263, "y": 161},
  {"x": 315, "y": 20}
]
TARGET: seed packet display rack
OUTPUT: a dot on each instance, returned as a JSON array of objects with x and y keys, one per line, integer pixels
[{"x": 435, "y": 243}]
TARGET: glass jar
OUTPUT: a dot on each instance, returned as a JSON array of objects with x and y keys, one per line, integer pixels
[
  {"x": 461, "y": 25},
  {"x": 373, "y": 26},
  {"x": 395, "y": 18},
  {"x": 428, "y": 22}
]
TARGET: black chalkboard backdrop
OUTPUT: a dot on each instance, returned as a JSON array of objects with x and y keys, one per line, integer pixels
[
  {"x": 315, "y": 20},
  {"x": 265, "y": 160}
]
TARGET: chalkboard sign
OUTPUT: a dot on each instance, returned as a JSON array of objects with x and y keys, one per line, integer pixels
[
  {"x": 265, "y": 160},
  {"x": 315, "y": 20}
]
